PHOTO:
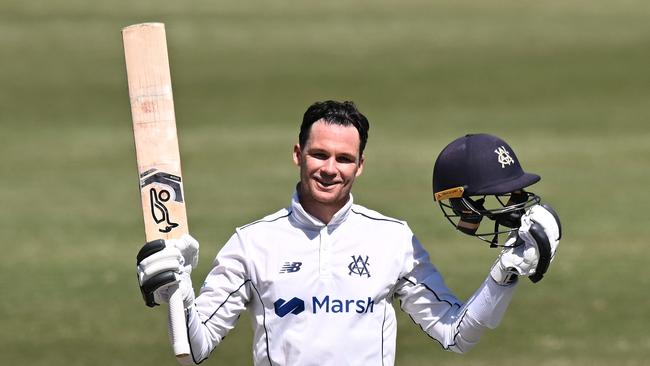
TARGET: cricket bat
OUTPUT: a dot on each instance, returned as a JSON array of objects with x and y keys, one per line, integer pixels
[{"x": 156, "y": 145}]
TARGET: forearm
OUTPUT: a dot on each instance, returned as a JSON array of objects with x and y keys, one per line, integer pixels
[
  {"x": 456, "y": 326},
  {"x": 489, "y": 303},
  {"x": 214, "y": 312},
  {"x": 202, "y": 340},
  {"x": 484, "y": 310}
]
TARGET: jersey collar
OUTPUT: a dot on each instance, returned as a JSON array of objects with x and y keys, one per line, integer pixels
[{"x": 305, "y": 219}]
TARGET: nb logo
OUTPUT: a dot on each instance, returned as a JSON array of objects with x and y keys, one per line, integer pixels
[
  {"x": 503, "y": 156},
  {"x": 359, "y": 266},
  {"x": 290, "y": 267},
  {"x": 294, "y": 306}
]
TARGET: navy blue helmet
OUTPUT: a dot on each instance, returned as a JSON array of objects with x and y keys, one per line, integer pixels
[{"x": 478, "y": 176}]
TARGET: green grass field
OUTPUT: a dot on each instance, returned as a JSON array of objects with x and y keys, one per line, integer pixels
[{"x": 566, "y": 83}]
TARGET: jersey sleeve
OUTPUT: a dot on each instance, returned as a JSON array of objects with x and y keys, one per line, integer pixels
[
  {"x": 457, "y": 326},
  {"x": 223, "y": 296}
]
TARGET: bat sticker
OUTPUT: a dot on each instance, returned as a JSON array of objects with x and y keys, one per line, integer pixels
[
  {"x": 158, "y": 210},
  {"x": 166, "y": 186}
]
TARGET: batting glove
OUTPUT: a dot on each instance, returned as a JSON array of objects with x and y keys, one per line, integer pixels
[
  {"x": 531, "y": 249},
  {"x": 163, "y": 263}
]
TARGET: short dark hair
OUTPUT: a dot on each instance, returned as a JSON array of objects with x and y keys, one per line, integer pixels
[{"x": 340, "y": 113}]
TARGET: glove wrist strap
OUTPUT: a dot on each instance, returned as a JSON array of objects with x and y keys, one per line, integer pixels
[{"x": 503, "y": 277}]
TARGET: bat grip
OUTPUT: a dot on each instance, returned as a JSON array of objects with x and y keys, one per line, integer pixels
[{"x": 177, "y": 327}]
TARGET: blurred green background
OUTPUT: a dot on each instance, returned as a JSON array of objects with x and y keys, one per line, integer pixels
[{"x": 566, "y": 83}]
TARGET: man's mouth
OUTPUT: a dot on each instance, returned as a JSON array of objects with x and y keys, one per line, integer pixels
[{"x": 326, "y": 184}]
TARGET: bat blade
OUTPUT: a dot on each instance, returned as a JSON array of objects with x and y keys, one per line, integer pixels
[{"x": 156, "y": 143}]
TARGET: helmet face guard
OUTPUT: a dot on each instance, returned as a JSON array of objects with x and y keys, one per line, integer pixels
[{"x": 466, "y": 214}]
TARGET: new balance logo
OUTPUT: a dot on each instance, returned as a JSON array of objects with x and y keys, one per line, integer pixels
[
  {"x": 294, "y": 306},
  {"x": 290, "y": 267}
]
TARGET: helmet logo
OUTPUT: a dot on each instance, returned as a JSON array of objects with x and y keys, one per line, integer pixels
[{"x": 504, "y": 157}]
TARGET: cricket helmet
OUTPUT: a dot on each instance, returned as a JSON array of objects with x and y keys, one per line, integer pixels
[{"x": 479, "y": 176}]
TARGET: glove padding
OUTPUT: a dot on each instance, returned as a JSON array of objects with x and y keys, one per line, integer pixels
[
  {"x": 531, "y": 249},
  {"x": 164, "y": 263}
]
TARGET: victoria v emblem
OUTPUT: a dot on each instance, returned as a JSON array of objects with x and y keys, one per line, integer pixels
[{"x": 359, "y": 266}]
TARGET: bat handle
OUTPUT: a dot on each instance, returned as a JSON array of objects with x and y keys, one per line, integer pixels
[{"x": 177, "y": 327}]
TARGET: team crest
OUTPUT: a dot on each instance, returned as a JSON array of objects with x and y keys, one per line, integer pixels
[
  {"x": 503, "y": 156},
  {"x": 359, "y": 266}
]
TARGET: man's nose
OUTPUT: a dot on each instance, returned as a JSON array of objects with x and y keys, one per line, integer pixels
[{"x": 329, "y": 166}]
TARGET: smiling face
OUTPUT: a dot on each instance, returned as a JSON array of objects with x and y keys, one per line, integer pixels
[{"x": 329, "y": 162}]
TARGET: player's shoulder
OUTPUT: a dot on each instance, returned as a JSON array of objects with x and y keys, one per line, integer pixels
[
  {"x": 275, "y": 217},
  {"x": 373, "y": 216}
]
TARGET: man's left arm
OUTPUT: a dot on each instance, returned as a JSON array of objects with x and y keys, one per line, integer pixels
[{"x": 458, "y": 326}]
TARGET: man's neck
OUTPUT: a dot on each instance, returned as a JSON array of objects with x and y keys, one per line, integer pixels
[{"x": 321, "y": 211}]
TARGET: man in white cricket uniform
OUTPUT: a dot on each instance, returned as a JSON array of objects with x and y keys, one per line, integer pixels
[{"x": 319, "y": 277}]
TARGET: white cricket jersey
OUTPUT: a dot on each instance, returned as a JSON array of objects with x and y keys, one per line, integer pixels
[{"x": 322, "y": 294}]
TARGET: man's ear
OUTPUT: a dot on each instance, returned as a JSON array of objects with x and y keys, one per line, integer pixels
[
  {"x": 297, "y": 154},
  {"x": 362, "y": 161}
]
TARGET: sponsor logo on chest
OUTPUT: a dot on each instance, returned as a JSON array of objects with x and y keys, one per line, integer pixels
[
  {"x": 290, "y": 267},
  {"x": 325, "y": 304}
]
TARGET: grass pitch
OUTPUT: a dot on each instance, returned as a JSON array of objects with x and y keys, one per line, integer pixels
[{"x": 565, "y": 83}]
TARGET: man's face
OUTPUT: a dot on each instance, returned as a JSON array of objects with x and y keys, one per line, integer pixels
[{"x": 329, "y": 163}]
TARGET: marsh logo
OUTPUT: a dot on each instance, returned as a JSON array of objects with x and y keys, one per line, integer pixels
[
  {"x": 342, "y": 306},
  {"x": 325, "y": 304},
  {"x": 294, "y": 306}
]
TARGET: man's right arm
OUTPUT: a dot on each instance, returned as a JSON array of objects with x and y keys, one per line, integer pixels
[{"x": 222, "y": 297}]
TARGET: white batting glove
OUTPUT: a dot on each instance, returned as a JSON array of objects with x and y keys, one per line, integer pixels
[
  {"x": 184, "y": 281},
  {"x": 189, "y": 249},
  {"x": 531, "y": 250},
  {"x": 164, "y": 263}
]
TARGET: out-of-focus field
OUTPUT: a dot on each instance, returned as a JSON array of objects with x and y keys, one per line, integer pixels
[{"x": 566, "y": 83}]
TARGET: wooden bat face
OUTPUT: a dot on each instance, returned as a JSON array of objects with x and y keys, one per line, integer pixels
[{"x": 154, "y": 131}]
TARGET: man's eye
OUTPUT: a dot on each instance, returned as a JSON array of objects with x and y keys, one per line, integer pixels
[
  {"x": 345, "y": 159},
  {"x": 319, "y": 156}
]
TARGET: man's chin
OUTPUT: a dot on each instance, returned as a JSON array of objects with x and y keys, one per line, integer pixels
[
  {"x": 332, "y": 195},
  {"x": 328, "y": 197}
]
